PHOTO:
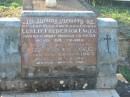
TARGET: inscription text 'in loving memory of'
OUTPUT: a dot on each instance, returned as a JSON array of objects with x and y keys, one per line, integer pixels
[{"x": 55, "y": 40}]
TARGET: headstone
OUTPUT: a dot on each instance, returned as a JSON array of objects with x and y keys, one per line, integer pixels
[
  {"x": 58, "y": 44},
  {"x": 9, "y": 48},
  {"x": 107, "y": 53},
  {"x": 50, "y": 3}
]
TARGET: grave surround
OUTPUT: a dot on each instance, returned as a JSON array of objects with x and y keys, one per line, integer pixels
[{"x": 76, "y": 70}]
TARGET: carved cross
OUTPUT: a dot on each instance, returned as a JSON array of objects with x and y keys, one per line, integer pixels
[{"x": 107, "y": 39}]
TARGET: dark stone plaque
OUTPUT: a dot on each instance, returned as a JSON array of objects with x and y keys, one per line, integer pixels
[{"x": 53, "y": 39}]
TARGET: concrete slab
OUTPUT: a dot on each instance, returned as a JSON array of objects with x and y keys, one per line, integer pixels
[
  {"x": 81, "y": 93},
  {"x": 9, "y": 48},
  {"x": 105, "y": 93},
  {"x": 50, "y": 94},
  {"x": 108, "y": 93},
  {"x": 40, "y": 94},
  {"x": 65, "y": 94},
  {"x": 78, "y": 94},
  {"x": 92, "y": 93},
  {"x": 114, "y": 93},
  {"x": 8, "y": 95}
]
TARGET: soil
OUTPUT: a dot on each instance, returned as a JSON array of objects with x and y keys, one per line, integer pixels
[{"x": 123, "y": 89}]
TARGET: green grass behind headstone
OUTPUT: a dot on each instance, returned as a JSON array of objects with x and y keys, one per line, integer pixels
[
  {"x": 125, "y": 71},
  {"x": 10, "y": 8},
  {"x": 122, "y": 14},
  {"x": 10, "y": 3}
]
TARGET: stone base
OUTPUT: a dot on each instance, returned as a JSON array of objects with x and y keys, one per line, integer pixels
[
  {"x": 82, "y": 93},
  {"x": 106, "y": 82},
  {"x": 48, "y": 84}
]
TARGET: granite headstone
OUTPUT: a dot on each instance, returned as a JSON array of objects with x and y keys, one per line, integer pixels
[{"x": 59, "y": 44}]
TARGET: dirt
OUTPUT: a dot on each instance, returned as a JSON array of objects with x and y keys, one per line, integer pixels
[{"x": 123, "y": 89}]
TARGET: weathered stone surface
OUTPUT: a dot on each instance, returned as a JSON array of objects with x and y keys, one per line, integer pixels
[
  {"x": 107, "y": 69},
  {"x": 48, "y": 84},
  {"x": 9, "y": 48},
  {"x": 123, "y": 49},
  {"x": 58, "y": 44},
  {"x": 85, "y": 93},
  {"x": 107, "y": 41},
  {"x": 107, "y": 53},
  {"x": 8, "y": 95},
  {"x": 106, "y": 82},
  {"x": 108, "y": 93},
  {"x": 58, "y": 75}
]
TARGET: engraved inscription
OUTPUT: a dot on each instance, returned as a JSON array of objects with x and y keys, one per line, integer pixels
[{"x": 58, "y": 41}]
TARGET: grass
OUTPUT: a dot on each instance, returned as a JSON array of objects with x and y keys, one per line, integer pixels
[
  {"x": 125, "y": 71},
  {"x": 119, "y": 13},
  {"x": 10, "y": 8},
  {"x": 122, "y": 14},
  {"x": 10, "y": 12},
  {"x": 11, "y": 3}
]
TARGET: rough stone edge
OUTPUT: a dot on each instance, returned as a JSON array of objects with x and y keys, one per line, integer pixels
[
  {"x": 59, "y": 13},
  {"x": 12, "y": 23},
  {"x": 106, "y": 23},
  {"x": 95, "y": 93}
]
